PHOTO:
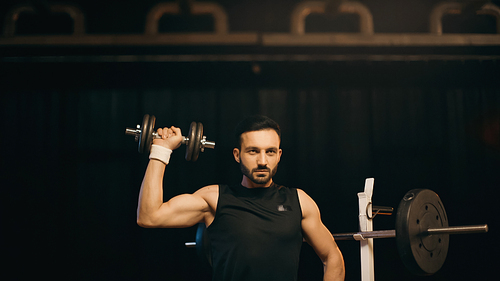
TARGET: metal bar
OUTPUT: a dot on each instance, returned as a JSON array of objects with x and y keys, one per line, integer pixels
[
  {"x": 303, "y": 9},
  {"x": 132, "y": 132},
  {"x": 491, "y": 9},
  {"x": 154, "y": 15},
  {"x": 392, "y": 233},
  {"x": 344, "y": 236},
  {"x": 207, "y": 144},
  {"x": 458, "y": 230},
  {"x": 221, "y": 25},
  {"x": 382, "y": 210},
  {"x": 379, "y": 39},
  {"x": 75, "y": 13},
  {"x": 437, "y": 13},
  {"x": 257, "y": 39},
  {"x": 467, "y": 229},
  {"x": 247, "y": 58},
  {"x": 160, "y": 39},
  {"x": 196, "y": 8},
  {"x": 365, "y": 235}
]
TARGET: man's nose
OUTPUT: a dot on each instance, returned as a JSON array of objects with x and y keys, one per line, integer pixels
[{"x": 262, "y": 159}]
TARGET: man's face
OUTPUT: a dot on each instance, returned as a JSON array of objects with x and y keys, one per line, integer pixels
[{"x": 259, "y": 155}]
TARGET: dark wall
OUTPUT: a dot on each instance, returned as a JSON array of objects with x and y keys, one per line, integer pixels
[{"x": 72, "y": 176}]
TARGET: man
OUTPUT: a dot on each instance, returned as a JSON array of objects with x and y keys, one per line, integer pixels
[{"x": 256, "y": 228}]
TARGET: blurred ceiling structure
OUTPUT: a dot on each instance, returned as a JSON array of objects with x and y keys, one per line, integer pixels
[{"x": 188, "y": 30}]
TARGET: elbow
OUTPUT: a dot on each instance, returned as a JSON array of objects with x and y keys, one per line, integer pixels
[
  {"x": 145, "y": 221},
  {"x": 144, "y": 224}
]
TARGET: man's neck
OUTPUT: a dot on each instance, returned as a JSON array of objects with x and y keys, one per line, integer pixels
[{"x": 246, "y": 182}]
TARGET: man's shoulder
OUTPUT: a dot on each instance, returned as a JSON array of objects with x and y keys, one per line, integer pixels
[
  {"x": 305, "y": 200},
  {"x": 209, "y": 189},
  {"x": 210, "y": 194}
]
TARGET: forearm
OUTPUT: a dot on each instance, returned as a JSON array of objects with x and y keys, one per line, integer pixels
[
  {"x": 334, "y": 267},
  {"x": 151, "y": 194}
]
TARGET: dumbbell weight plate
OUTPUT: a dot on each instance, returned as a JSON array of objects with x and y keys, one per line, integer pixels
[
  {"x": 143, "y": 134},
  {"x": 149, "y": 134},
  {"x": 197, "y": 143},
  {"x": 191, "y": 143},
  {"x": 419, "y": 210},
  {"x": 203, "y": 246}
]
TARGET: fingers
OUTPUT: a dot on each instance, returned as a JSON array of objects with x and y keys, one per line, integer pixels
[
  {"x": 170, "y": 138},
  {"x": 169, "y": 132},
  {"x": 176, "y": 131},
  {"x": 163, "y": 133}
]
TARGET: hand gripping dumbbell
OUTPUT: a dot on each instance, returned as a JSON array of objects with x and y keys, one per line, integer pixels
[{"x": 195, "y": 142}]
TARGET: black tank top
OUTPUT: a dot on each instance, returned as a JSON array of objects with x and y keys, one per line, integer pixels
[{"x": 256, "y": 234}]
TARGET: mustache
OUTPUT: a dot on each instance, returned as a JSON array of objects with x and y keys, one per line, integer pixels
[{"x": 263, "y": 169}]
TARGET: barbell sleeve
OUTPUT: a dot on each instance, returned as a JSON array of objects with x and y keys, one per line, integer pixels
[{"x": 466, "y": 229}]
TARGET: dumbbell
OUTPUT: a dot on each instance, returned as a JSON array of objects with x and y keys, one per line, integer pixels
[{"x": 195, "y": 143}]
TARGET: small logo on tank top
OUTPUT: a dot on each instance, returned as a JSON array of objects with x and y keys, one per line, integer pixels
[{"x": 284, "y": 208}]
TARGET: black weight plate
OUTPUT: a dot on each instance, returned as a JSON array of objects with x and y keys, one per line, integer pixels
[
  {"x": 190, "y": 144},
  {"x": 203, "y": 246},
  {"x": 197, "y": 143},
  {"x": 419, "y": 210},
  {"x": 149, "y": 134},
  {"x": 144, "y": 133}
]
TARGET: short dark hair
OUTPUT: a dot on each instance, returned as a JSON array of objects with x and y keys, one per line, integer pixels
[{"x": 254, "y": 123}]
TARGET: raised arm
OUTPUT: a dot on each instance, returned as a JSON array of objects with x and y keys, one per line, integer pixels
[
  {"x": 181, "y": 211},
  {"x": 320, "y": 238}
]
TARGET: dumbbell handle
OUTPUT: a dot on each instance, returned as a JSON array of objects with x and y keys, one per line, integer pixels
[
  {"x": 136, "y": 132},
  {"x": 184, "y": 139},
  {"x": 204, "y": 142}
]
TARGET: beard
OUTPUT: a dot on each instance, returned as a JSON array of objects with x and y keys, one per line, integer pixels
[{"x": 258, "y": 179}]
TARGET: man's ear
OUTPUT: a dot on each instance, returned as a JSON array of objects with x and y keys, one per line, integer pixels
[
  {"x": 236, "y": 154},
  {"x": 279, "y": 154}
]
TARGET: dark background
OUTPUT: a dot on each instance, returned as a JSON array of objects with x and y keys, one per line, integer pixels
[{"x": 71, "y": 177}]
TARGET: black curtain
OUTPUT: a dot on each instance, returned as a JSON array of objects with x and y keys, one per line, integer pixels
[{"x": 72, "y": 177}]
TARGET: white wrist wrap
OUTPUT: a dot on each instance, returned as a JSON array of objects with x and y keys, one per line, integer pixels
[{"x": 161, "y": 153}]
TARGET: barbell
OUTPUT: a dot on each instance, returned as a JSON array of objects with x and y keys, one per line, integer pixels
[
  {"x": 422, "y": 233},
  {"x": 195, "y": 143}
]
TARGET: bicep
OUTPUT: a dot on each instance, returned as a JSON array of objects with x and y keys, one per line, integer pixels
[{"x": 184, "y": 210}]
